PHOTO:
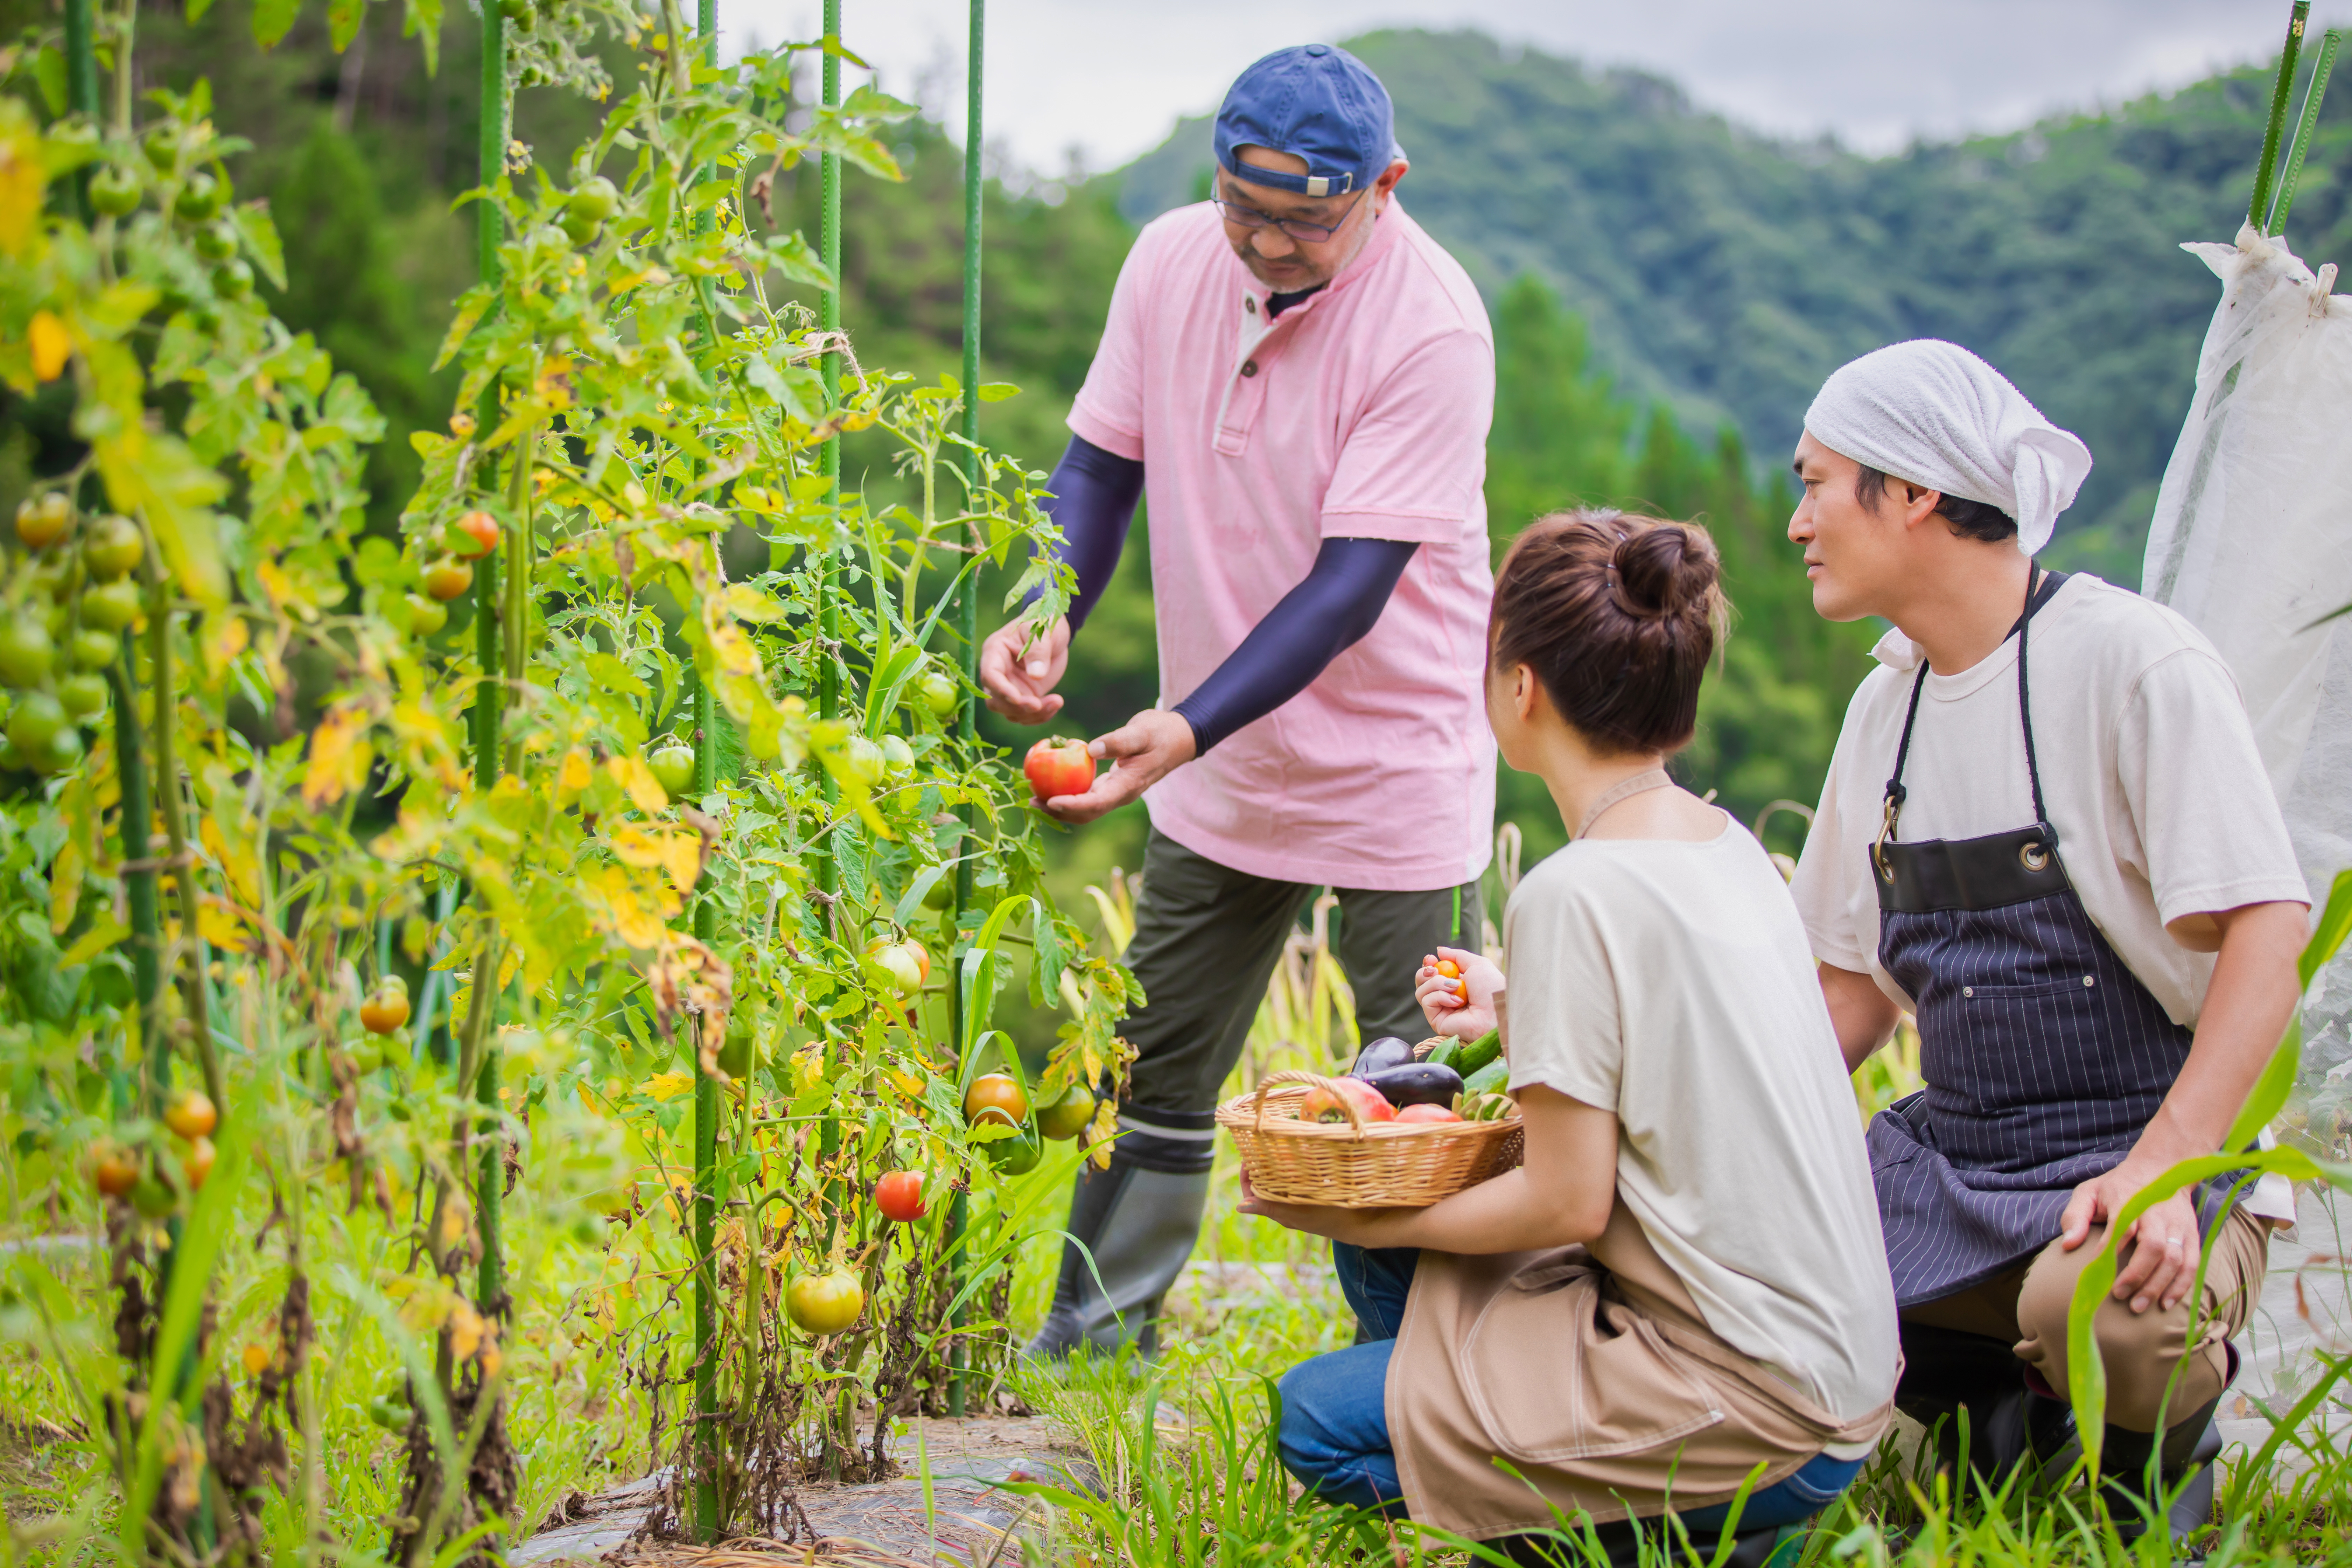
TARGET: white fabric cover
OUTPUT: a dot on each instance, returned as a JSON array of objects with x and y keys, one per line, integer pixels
[
  {"x": 1934, "y": 413},
  {"x": 2251, "y": 542}
]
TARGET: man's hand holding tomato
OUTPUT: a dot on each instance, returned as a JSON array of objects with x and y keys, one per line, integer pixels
[{"x": 1019, "y": 669}]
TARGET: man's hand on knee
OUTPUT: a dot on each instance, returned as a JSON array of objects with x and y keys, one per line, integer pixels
[{"x": 2163, "y": 1241}]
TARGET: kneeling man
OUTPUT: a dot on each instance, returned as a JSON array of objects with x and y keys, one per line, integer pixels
[{"x": 2081, "y": 886}]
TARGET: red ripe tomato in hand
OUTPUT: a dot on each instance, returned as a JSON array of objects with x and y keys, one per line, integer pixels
[
  {"x": 899, "y": 1196},
  {"x": 474, "y": 535},
  {"x": 1059, "y": 766}
]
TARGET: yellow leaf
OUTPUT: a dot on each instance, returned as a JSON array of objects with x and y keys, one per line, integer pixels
[
  {"x": 339, "y": 756},
  {"x": 20, "y": 178},
  {"x": 808, "y": 1067},
  {"x": 626, "y": 913},
  {"x": 666, "y": 1085},
  {"x": 104, "y": 932},
  {"x": 51, "y": 345},
  {"x": 678, "y": 851},
  {"x": 220, "y": 925},
  {"x": 236, "y": 862},
  {"x": 572, "y": 774},
  {"x": 64, "y": 885},
  {"x": 632, "y": 774}
]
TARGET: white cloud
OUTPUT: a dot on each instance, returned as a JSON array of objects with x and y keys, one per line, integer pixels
[{"x": 1110, "y": 77}]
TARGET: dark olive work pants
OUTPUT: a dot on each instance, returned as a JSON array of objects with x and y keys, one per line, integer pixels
[{"x": 1207, "y": 938}]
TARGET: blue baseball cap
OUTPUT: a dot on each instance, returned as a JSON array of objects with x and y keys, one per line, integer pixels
[{"x": 1319, "y": 102}]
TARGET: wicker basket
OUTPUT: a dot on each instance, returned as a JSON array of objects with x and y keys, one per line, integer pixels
[{"x": 1359, "y": 1165}]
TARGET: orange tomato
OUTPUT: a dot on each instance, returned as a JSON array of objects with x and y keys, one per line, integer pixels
[
  {"x": 995, "y": 1096},
  {"x": 383, "y": 1011},
  {"x": 899, "y": 1196},
  {"x": 192, "y": 1114},
  {"x": 444, "y": 580}
]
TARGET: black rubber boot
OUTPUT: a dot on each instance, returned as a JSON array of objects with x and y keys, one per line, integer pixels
[
  {"x": 2185, "y": 1464},
  {"x": 1621, "y": 1545},
  {"x": 1951, "y": 1380},
  {"x": 1131, "y": 1228}
]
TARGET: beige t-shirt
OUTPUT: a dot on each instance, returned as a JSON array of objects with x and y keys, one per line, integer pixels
[
  {"x": 1669, "y": 983},
  {"x": 2149, "y": 769}
]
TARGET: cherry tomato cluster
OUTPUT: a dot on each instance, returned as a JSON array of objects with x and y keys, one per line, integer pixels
[{"x": 70, "y": 602}]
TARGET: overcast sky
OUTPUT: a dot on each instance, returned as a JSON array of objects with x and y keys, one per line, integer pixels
[{"x": 1112, "y": 76}]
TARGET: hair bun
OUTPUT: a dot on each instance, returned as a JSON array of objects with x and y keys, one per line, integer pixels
[{"x": 1661, "y": 569}]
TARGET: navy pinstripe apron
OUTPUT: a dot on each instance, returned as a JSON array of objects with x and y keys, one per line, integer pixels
[{"x": 2045, "y": 1055}]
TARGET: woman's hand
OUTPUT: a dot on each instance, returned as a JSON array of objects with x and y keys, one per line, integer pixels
[
  {"x": 1357, "y": 1227},
  {"x": 1463, "y": 1017}
]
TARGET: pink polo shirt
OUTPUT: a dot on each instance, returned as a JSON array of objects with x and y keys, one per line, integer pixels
[{"x": 1361, "y": 413}]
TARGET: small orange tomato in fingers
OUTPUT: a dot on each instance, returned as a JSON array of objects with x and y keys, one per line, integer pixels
[{"x": 1450, "y": 970}]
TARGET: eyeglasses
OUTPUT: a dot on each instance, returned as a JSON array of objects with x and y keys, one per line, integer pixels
[{"x": 1241, "y": 216}]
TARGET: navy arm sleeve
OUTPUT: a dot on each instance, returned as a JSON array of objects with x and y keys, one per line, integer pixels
[
  {"x": 1314, "y": 622},
  {"x": 1094, "y": 494}
]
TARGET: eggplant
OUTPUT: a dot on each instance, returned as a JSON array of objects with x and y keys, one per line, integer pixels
[
  {"x": 1382, "y": 1054},
  {"x": 1416, "y": 1083}
]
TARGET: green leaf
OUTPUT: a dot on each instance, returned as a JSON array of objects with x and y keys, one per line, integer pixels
[
  {"x": 272, "y": 20},
  {"x": 472, "y": 305},
  {"x": 2270, "y": 1091},
  {"x": 49, "y": 76},
  {"x": 997, "y": 391},
  {"x": 2335, "y": 924},
  {"x": 260, "y": 237},
  {"x": 343, "y": 17}
]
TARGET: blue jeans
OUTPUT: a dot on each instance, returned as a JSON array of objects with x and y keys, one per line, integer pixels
[{"x": 1335, "y": 1421}]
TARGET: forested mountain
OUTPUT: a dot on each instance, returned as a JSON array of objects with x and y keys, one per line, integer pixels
[{"x": 1728, "y": 272}]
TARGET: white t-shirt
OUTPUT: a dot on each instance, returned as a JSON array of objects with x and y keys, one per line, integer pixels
[
  {"x": 1669, "y": 983},
  {"x": 2149, "y": 769}
]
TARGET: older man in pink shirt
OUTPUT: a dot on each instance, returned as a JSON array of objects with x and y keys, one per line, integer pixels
[{"x": 1300, "y": 381}]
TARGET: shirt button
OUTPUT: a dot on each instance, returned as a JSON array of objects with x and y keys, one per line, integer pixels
[
  {"x": 1249, "y": 305},
  {"x": 1249, "y": 367},
  {"x": 2088, "y": 981}
]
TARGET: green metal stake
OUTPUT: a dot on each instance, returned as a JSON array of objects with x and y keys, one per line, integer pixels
[
  {"x": 2259, "y": 208},
  {"x": 2304, "y": 131},
  {"x": 967, "y": 619},
  {"x": 489, "y": 700},
  {"x": 81, "y": 84},
  {"x": 139, "y": 884},
  {"x": 828, "y": 320},
  {"x": 707, "y": 1108}
]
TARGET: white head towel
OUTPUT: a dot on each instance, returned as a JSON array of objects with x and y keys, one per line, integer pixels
[{"x": 1936, "y": 415}]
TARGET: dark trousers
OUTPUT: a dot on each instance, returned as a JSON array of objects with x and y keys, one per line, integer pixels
[{"x": 1207, "y": 938}]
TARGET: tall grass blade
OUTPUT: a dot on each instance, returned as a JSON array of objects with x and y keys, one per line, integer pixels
[
  {"x": 2264, "y": 178},
  {"x": 2304, "y": 131}
]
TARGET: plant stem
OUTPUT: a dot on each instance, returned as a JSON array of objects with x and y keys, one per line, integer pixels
[
  {"x": 2258, "y": 210},
  {"x": 194, "y": 1001},
  {"x": 2306, "y": 129},
  {"x": 967, "y": 615},
  {"x": 81, "y": 81}
]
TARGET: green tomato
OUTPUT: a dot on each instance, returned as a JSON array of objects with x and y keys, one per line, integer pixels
[
  {"x": 364, "y": 1055},
  {"x": 36, "y": 718},
  {"x": 113, "y": 547},
  {"x": 594, "y": 198},
  {"x": 162, "y": 145},
  {"x": 233, "y": 279},
  {"x": 425, "y": 616},
  {"x": 63, "y": 751},
  {"x": 25, "y": 651},
  {"x": 390, "y": 1413},
  {"x": 93, "y": 650},
  {"x": 579, "y": 227},
  {"x": 825, "y": 1303},
  {"x": 111, "y": 606},
  {"x": 740, "y": 1053},
  {"x": 153, "y": 1198},
  {"x": 200, "y": 199},
  {"x": 1067, "y": 1117},
  {"x": 83, "y": 695},
  {"x": 897, "y": 757},
  {"x": 673, "y": 766},
  {"x": 514, "y": 10},
  {"x": 890, "y": 967},
  {"x": 942, "y": 893},
  {"x": 1015, "y": 1156},
  {"x": 218, "y": 240},
  {"x": 114, "y": 191},
  {"x": 940, "y": 692},
  {"x": 864, "y": 760}
]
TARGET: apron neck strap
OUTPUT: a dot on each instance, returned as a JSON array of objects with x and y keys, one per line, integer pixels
[
  {"x": 2037, "y": 594},
  {"x": 1623, "y": 789}
]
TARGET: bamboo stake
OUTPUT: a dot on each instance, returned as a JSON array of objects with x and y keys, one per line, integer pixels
[
  {"x": 2304, "y": 131},
  {"x": 2258, "y": 210}
]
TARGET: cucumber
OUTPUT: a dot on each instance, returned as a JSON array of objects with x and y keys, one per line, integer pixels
[
  {"x": 1488, "y": 1079},
  {"x": 1444, "y": 1054},
  {"x": 1486, "y": 1048}
]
